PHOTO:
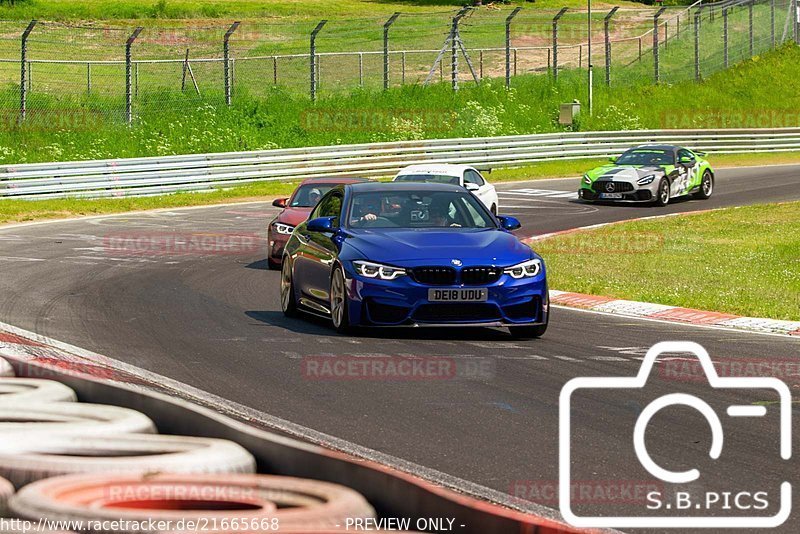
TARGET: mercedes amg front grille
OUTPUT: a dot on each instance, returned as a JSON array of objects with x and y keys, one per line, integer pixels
[{"x": 612, "y": 187}]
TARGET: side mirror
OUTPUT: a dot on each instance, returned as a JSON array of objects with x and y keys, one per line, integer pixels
[
  {"x": 686, "y": 160},
  {"x": 509, "y": 223},
  {"x": 321, "y": 224},
  {"x": 612, "y": 159},
  {"x": 472, "y": 187},
  {"x": 280, "y": 202}
]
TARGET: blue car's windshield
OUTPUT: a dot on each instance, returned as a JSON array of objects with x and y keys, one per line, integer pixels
[
  {"x": 418, "y": 209},
  {"x": 647, "y": 157}
]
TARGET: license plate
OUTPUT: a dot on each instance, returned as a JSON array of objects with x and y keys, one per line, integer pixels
[
  {"x": 610, "y": 195},
  {"x": 458, "y": 295}
]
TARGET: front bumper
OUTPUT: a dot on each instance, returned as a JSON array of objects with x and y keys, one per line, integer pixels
[
  {"x": 637, "y": 194},
  {"x": 404, "y": 302},
  {"x": 275, "y": 244}
]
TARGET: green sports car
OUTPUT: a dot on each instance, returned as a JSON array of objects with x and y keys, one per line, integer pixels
[{"x": 650, "y": 173}]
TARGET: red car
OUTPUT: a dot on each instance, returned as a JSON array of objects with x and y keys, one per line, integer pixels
[{"x": 296, "y": 209}]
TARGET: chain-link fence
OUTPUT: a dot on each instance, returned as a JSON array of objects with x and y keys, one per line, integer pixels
[{"x": 72, "y": 75}]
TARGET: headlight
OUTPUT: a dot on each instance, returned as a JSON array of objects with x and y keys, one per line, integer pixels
[
  {"x": 587, "y": 180},
  {"x": 527, "y": 269},
  {"x": 369, "y": 269},
  {"x": 644, "y": 180},
  {"x": 284, "y": 229}
]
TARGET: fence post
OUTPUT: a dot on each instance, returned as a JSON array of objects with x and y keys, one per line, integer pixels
[
  {"x": 606, "y": 22},
  {"x": 313, "y": 58},
  {"x": 697, "y": 46},
  {"x": 129, "y": 75},
  {"x": 509, "y": 18},
  {"x": 386, "y": 26},
  {"x": 725, "y": 36},
  {"x": 796, "y": 25},
  {"x": 23, "y": 81},
  {"x": 274, "y": 70},
  {"x": 454, "y": 48},
  {"x": 750, "y": 25},
  {"x": 403, "y": 68},
  {"x": 657, "y": 72},
  {"x": 772, "y": 23},
  {"x": 88, "y": 78},
  {"x": 555, "y": 41},
  {"x": 226, "y": 50}
]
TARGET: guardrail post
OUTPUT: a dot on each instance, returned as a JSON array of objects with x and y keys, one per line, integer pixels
[
  {"x": 129, "y": 75},
  {"x": 509, "y": 18},
  {"x": 386, "y": 27},
  {"x": 697, "y": 46},
  {"x": 313, "y": 58},
  {"x": 725, "y": 36},
  {"x": 226, "y": 50},
  {"x": 657, "y": 72},
  {"x": 750, "y": 25},
  {"x": 607, "y": 36},
  {"x": 555, "y": 41},
  {"x": 23, "y": 81}
]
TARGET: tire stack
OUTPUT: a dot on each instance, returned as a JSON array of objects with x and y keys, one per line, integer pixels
[{"x": 72, "y": 461}]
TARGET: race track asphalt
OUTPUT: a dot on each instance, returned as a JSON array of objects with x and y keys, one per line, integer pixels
[{"x": 214, "y": 321}]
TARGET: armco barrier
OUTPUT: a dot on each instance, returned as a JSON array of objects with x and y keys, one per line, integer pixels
[
  {"x": 391, "y": 492},
  {"x": 202, "y": 172}
]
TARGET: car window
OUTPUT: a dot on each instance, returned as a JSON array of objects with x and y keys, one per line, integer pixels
[
  {"x": 642, "y": 156},
  {"x": 684, "y": 153},
  {"x": 432, "y": 178},
  {"x": 417, "y": 209},
  {"x": 473, "y": 177},
  {"x": 329, "y": 206},
  {"x": 307, "y": 196}
]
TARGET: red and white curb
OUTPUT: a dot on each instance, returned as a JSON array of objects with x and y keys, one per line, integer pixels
[{"x": 674, "y": 314}]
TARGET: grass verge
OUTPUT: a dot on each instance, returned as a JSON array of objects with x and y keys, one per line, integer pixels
[{"x": 743, "y": 261}]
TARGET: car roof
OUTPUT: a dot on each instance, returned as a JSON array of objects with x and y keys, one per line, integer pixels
[
  {"x": 373, "y": 187},
  {"x": 446, "y": 169},
  {"x": 333, "y": 180},
  {"x": 655, "y": 147}
]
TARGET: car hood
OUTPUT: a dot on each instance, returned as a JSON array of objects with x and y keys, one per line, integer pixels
[
  {"x": 293, "y": 216},
  {"x": 408, "y": 247},
  {"x": 624, "y": 173}
]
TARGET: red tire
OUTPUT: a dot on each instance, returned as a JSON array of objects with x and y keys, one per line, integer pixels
[
  {"x": 294, "y": 503},
  {"x": 24, "y": 460},
  {"x": 25, "y": 390}
]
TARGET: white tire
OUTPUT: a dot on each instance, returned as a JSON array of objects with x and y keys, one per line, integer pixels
[
  {"x": 27, "y": 390},
  {"x": 23, "y": 460},
  {"x": 72, "y": 418},
  {"x": 296, "y": 504},
  {"x": 6, "y": 491},
  {"x": 6, "y": 369}
]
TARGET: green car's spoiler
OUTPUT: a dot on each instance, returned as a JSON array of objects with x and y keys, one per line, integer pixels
[{"x": 700, "y": 153}]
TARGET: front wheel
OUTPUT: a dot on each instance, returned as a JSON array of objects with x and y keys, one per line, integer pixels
[
  {"x": 527, "y": 332},
  {"x": 340, "y": 303},
  {"x": 288, "y": 301},
  {"x": 662, "y": 196},
  {"x": 706, "y": 186}
]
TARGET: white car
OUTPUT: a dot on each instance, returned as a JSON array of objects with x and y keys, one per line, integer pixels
[{"x": 446, "y": 173}]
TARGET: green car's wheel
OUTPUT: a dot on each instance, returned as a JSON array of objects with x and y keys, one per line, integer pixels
[
  {"x": 662, "y": 196},
  {"x": 706, "y": 186},
  {"x": 288, "y": 301}
]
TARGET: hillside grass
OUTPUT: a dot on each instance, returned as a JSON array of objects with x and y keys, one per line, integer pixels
[
  {"x": 727, "y": 99},
  {"x": 744, "y": 261}
]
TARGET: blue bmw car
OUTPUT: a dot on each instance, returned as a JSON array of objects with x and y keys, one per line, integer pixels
[{"x": 413, "y": 254}]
